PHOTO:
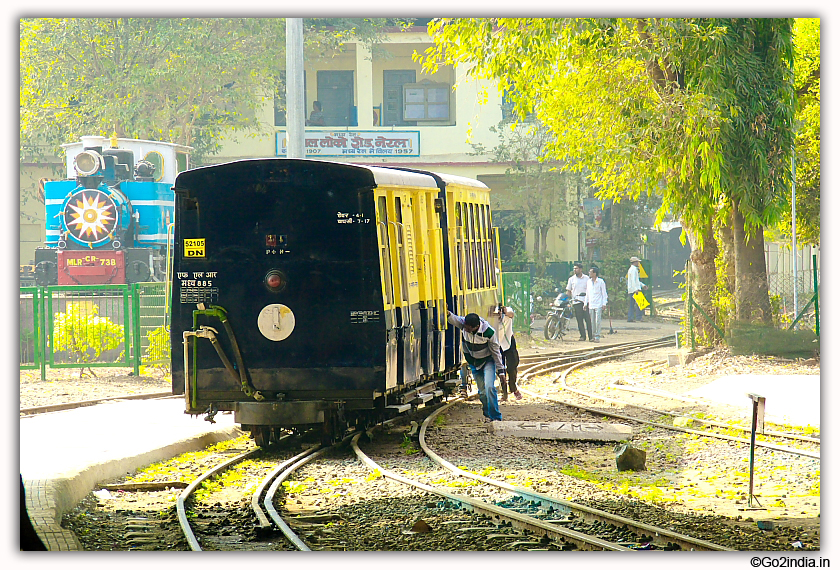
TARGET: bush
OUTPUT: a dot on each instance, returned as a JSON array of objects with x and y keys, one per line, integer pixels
[
  {"x": 159, "y": 347},
  {"x": 82, "y": 332}
]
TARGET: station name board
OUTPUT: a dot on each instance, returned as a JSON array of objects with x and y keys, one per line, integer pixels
[{"x": 356, "y": 143}]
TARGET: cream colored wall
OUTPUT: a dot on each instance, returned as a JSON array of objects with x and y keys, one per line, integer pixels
[
  {"x": 439, "y": 143},
  {"x": 32, "y": 232},
  {"x": 562, "y": 242}
]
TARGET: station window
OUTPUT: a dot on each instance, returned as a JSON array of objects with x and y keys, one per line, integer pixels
[{"x": 426, "y": 102}]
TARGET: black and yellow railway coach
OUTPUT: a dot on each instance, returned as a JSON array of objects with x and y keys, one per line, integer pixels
[{"x": 313, "y": 292}]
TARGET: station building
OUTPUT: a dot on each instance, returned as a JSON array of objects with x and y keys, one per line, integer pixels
[{"x": 379, "y": 108}]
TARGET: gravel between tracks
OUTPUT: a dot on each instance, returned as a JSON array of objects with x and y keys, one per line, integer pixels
[{"x": 685, "y": 476}]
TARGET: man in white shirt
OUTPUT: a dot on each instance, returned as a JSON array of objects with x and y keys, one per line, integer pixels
[
  {"x": 596, "y": 300},
  {"x": 634, "y": 313},
  {"x": 501, "y": 319},
  {"x": 576, "y": 289}
]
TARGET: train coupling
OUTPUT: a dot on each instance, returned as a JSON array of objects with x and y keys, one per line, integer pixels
[{"x": 211, "y": 412}]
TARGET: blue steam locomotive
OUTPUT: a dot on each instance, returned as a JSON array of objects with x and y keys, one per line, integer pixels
[{"x": 111, "y": 220}]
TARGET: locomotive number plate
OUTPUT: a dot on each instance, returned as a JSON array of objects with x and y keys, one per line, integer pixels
[{"x": 194, "y": 247}]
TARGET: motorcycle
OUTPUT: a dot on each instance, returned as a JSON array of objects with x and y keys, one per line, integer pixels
[{"x": 559, "y": 318}]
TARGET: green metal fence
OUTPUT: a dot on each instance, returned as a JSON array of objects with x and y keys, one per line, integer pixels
[
  {"x": 152, "y": 322},
  {"x": 86, "y": 326},
  {"x": 517, "y": 295}
]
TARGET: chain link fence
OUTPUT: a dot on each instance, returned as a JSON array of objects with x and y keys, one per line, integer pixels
[{"x": 759, "y": 316}]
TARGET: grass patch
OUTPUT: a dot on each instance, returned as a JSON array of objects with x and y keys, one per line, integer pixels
[
  {"x": 407, "y": 446},
  {"x": 173, "y": 469}
]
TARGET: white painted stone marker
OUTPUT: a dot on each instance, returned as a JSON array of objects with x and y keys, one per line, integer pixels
[{"x": 562, "y": 430}]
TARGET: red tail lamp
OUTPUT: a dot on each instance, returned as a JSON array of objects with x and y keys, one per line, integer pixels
[{"x": 275, "y": 281}]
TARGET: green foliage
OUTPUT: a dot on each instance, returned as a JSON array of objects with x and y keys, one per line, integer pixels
[
  {"x": 82, "y": 332},
  {"x": 407, "y": 445},
  {"x": 159, "y": 345},
  {"x": 183, "y": 80},
  {"x": 679, "y": 106},
  {"x": 722, "y": 298},
  {"x": 806, "y": 73},
  {"x": 696, "y": 110},
  {"x": 546, "y": 196}
]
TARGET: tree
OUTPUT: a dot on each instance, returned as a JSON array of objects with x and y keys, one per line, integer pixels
[
  {"x": 546, "y": 196},
  {"x": 806, "y": 73},
  {"x": 675, "y": 106},
  {"x": 182, "y": 80}
]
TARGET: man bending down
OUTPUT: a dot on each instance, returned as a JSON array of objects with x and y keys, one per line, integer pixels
[{"x": 484, "y": 357}]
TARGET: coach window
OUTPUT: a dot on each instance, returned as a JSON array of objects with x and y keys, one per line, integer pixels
[
  {"x": 401, "y": 250},
  {"x": 488, "y": 246},
  {"x": 479, "y": 244},
  {"x": 468, "y": 246},
  {"x": 465, "y": 244},
  {"x": 485, "y": 235},
  {"x": 482, "y": 222},
  {"x": 459, "y": 246},
  {"x": 473, "y": 249},
  {"x": 491, "y": 246},
  {"x": 476, "y": 245},
  {"x": 473, "y": 266},
  {"x": 385, "y": 249}
]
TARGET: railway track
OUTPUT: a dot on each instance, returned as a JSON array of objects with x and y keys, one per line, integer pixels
[
  {"x": 503, "y": 516},
  {"x": 262, "y": 499},
  {"x": 521, "y": 519},
  {"x": 561, "y": 364},
  {"x": 646, "y": 536}
]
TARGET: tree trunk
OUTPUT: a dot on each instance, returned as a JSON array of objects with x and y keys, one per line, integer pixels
[
  {"x": 727, "y": 246},
  {"x": 543, "y": 243},
  {"x": 704, "y": 249},
  {"x": 539, "y": 262},
  {"x": 752, "y": 298}
]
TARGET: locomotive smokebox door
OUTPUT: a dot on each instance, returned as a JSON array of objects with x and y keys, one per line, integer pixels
[{"x": 276, "y": 322}]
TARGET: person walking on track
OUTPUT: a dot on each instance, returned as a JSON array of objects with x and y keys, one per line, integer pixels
[
  {"x": 503, "y": 317},
  {"x": 596, "y": 300},
  {"x": 634, "y": 313},
  {"x": 484, "y": 357},
  {"x": 576, "y": 289}
]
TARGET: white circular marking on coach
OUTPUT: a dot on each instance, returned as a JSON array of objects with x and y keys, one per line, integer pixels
[{"x": 276, "y": 322}]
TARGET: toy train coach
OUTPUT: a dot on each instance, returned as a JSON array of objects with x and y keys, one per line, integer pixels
[{"x": 310, "y": 292}]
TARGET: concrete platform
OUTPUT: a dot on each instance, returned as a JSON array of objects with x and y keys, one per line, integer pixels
[
  {"x": 63, "y": 455},
  {"x": 791, "y": 398}
]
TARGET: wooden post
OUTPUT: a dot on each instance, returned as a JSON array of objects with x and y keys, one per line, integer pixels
[{"x": 757, "y": 426}]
